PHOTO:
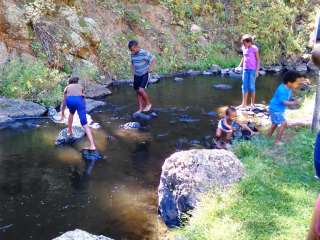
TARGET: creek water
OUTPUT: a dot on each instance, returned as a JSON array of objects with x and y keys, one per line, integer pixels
[{"x": 44, "y": 190}]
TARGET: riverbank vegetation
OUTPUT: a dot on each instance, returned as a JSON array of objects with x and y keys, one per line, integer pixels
[
  {"x": 32, "y": 81},
  {"x": 183, "y": 35}
]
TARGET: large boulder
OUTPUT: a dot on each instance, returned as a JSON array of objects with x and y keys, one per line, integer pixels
[
  {"x": 16, "y": 108},
  {"x": 93, "y": 104},
  {"x": 95, "y": 90},
  {"x": 80, "y": 235},
  {"x": 188, "y": 174}
]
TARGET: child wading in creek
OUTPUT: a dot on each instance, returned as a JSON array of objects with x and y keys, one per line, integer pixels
[
  {"x": 251, "y": 65},
  {"x": 142, "y": 64},
  {"x": 74, "y": 99},
  {"x": 225, "y": 128},
  {"x": 281, "y": 100}
]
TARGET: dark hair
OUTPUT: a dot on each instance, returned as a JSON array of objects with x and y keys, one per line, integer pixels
[
  {"x": 230, "y": 110},
  {"x": 73, "y": 80},
  {"x": 291, "y": 76},
  {"x": 248, "y": 40},
  {"x": 132, "y": 43}
]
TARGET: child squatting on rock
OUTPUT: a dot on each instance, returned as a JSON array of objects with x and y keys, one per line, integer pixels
[
  {"x": 73, "y": 98},
  {"x": 142, "y": 64},
  {"x": 225, "y": 128},
  {"x": 281, "y": 100}
]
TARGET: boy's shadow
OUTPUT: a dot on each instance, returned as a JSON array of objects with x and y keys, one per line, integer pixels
[{"x": 80, "y": 176}]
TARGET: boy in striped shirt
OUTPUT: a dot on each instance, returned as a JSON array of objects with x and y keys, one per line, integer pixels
[{"x": 142, "y": 64}]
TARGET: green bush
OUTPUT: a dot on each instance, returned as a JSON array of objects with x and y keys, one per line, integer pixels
[
  {"x": 31, "y": 81},
  {"x": 115, "y": 59}
]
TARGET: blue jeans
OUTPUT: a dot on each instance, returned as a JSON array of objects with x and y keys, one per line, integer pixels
[{"x": 249, "y": 81}]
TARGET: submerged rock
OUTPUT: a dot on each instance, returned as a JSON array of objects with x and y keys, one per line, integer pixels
[
  {"x": 144, "y": 116},
  {"x": 178, "y": 79},
  {"x": 63, "y": 138},
  {"x": 91, "y": 155},
  {"x": 222, "y": 86},
  {"x": 187, "y": 174},
  {"x": 80, "y": 235},
  {"x": 131, "y": 125},
  {"x": 187, "y": 119}
]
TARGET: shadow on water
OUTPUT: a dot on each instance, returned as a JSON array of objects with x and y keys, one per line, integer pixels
[{"x": 45, "y": 191}]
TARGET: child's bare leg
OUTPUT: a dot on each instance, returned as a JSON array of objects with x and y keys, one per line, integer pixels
[
  {"x": 218, "y": 137},
  {"x": 283, "y": 126},
  {"x": 229, "y": 137},
  {"x": 146, "y": 99},
  {"x": 245, "y": 99},
  {"x": 90, "y": 137},
  {"x": 253, "y": 98},
  {"x": 140, "y": 102},
  {"x": 272, "y": 129},
  {"x": 70, "y": 122}
]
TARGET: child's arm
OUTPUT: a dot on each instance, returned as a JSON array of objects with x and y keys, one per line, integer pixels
[
  {"x": 291, "y": 103},
  {"x": 153, "y": 63},
  {"x": 258, "y": 62},
  {"x": 63, "y": 104},
  {"x": 241, "y": 63},
  {"x": 132, "y": 69},
  {"x": 245, "y": 126},
  {"x": 227, "y": 124}
]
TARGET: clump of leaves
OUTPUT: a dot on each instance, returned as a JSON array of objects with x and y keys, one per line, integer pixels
[{"x": 32, "y": 81}]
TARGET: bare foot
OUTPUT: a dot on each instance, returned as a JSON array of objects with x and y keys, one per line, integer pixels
[
  {"x": 91, "y": 148},
  {"x": 139, "y": 111},
  {"x": 147, "y": 108},
  {"x": 242, "y": 106}
]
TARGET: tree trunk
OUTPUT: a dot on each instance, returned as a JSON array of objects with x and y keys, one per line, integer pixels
[{"x": 315, "y": 120}]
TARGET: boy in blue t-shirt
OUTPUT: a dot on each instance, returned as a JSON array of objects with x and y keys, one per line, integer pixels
[
  {"x": 281, "y": 100},
  {"x": 142, "y": 64}
]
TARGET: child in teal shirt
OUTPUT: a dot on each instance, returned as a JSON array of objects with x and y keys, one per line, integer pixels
[{"x": 281, "y": 100}]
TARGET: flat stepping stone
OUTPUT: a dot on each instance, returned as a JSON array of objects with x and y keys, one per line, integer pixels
[
  {"x": 144, "y": 116},
  {"x": 222, "y": 86},
  {"x": 64, "y": 139}
]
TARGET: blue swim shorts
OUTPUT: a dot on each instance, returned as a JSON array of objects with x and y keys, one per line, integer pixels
[
  {"x": 77, "y": 103},
  {"x": 249, "y": 80},
  {"x": 277, "y": 118}
]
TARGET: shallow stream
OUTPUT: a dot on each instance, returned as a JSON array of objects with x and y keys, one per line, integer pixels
[{"x": 44, "y": 190}]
